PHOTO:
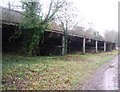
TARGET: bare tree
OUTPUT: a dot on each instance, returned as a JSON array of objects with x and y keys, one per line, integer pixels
[
  {"x": 54, "y": 26},
  {"x": 66, "y": 20},
  {"x": 111, "y": 35},
  {"x": 97, "y": 35},
  {"x": 78, "y": 30},
  {"x": 33, "y": 17}
]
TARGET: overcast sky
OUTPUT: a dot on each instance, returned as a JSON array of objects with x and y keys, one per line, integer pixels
[{"x": 103, "y": 14}]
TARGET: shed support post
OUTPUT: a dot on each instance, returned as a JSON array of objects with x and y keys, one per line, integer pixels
[
  {"x": 104, "y": 46},
  {"x": 83, "y": 45},
  {"x": 96, "y": 46}
]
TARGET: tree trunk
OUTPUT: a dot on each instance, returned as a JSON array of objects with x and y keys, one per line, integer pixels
[{"x": 63, "y": 45}]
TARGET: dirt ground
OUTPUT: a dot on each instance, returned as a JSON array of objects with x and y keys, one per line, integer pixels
[{"x": 105, "y": 78}]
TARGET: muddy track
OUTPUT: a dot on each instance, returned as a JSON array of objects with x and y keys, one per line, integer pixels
[{"x": 105, "y": 78}]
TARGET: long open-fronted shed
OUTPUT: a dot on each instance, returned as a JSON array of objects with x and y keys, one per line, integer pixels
[{"x": 52, "y": 43}]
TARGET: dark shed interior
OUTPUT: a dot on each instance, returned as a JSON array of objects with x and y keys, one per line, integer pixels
[{"x": 52, "y": 43}]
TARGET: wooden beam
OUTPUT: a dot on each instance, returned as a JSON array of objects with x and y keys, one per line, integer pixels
[
  {"x": 83, "y": 45},
  {"x": 105, "y": 46},
  {"x": 96, "y": 46}
]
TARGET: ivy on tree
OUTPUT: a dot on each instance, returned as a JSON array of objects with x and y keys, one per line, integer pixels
[{"x": 33, "y": 20}]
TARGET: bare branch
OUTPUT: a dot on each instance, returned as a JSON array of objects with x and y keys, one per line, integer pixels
[
  {"x": 50, "y": 7},
  {"x": 51, "y": 12}
]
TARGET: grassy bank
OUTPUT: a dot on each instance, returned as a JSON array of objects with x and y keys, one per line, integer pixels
[{"x": 56, "y": 72}]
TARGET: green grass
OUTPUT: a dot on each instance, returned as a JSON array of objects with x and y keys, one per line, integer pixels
[{"x": 53, "y": 73}]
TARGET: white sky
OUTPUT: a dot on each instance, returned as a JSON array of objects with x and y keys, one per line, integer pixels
[{"x": 103, "y": 14}]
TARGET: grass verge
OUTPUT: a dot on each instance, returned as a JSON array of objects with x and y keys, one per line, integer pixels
[{"x": 50, "y": 73}]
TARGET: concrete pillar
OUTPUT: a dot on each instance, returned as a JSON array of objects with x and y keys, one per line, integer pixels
[
  {"x": 105, "y": 46},
  {"x": 96, "y": 46},
  {"x": 84, "y": 45}
]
